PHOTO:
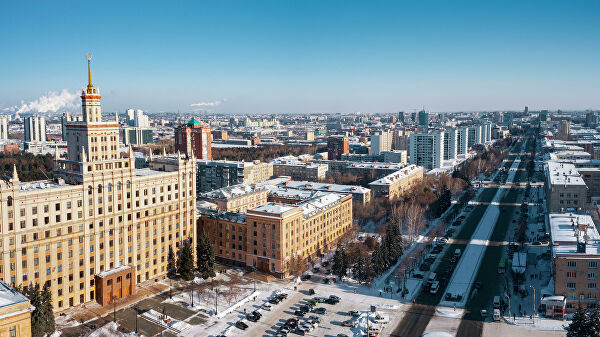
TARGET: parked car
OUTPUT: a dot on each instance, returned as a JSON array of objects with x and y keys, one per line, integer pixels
[
  {"x": 274, "y": 300},
  {"x": 266, "y": 307},
  {"x": 381, "y": 319},
  {"x": 321, "y": 299},
  {"x": 349, "y": 323},
  {"x": 305, "y": 277},
  {"x": 315, "y": 318},
  {"x": 333, "y": 297},
  {"x": 353, "y": 313},
  {"x": 241, "y": 325},
  {"x": 325, "y": 263},
  {"x": 320, "y": 311},
  {"x": 425, "y": 267},
  {"x": 317, "y": 269},
  {"x": 332, "y": 301},
  {"x": 311, "y": 291},
  {"x": 300, "y": 313},
  {"x": 435, "y": 287},
  {"x": 252, "y": 318}
]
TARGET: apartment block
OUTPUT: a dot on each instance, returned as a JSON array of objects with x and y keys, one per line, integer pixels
[
  {"x": 237, "y": 198},
  {"x": 564, "y": 187},
  {"x": 299, "y": 170},
  {"x": 359, "y": 194},
  {"x": 336, "y": 146},
  {"x": 450, "y": 143},
  {"x": 576, "y": 256},
  {"x": 462, "y": 140},
  {"x": 267, "y": 237},
  {"x": 427, "y": 149},
  {"x": 214, "y": 174},
  {"x": 35, "y": 129},
  {"x": 381, "y": 142},
  {"x": 394, "y": 185}
]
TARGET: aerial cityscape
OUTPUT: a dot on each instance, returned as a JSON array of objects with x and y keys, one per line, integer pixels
[{"x": 339, "y": 169}]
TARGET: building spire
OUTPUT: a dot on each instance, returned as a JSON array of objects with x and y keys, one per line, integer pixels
[
  {"x": 89, "y": 86},
  {"x": 15, "y": 177}
]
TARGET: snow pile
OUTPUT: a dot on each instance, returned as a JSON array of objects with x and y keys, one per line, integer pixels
[
  {"x": 110, "y": 329},
  {"x": 449, "y": 312},
  {"x": 437, "y": 334},
  {"x": 166, "y": 321}
]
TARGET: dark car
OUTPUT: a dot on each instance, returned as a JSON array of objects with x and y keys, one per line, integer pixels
[
  {"x": 332, "y": 301},
  {"x": 425, "y": 267},
  {"x": 453, "y": 259},
  {"x": 256, "y": 313},
  {"x": 305, "y": 308},
  {"x": 317, "y": 269},
  {"x": 300, "y": 313},
  {"x": 325, "y": 264},
  {"x": 477, "y": 285},
  {"x": 252, "y": 318},
  {"x": 311, "y": 291},
  {"x": 306, "y": 277},
  {"x": 292, "y": 322},
  {"x": 241, "y": 325},
  {"x": 274, "y": 300},
  {"x": 282, "y": 296},
  {"x": 320, "y": 299}
]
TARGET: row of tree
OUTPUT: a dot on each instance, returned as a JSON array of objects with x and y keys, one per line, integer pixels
[
  {"x": 264, "y": 153},
  {"x": 585, "y": 323},
  {"x": 183, "y": 263},
  {"x": 367, "y": 266},
  {"x": 30, "y": 167}
]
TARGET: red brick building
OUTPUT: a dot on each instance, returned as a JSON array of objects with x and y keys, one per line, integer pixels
[
  {"x": 194, "y": 136},
  {"x": 336, "y": 146},
  {"x": 116, "y": 283}
]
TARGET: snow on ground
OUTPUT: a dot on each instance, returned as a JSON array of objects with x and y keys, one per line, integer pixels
[
  {"x": 166, "y": 321},
  {"x": 438, "y": 334},
  {"x": 56, "y": 334},
  {"x": 65, "y": 321},
  {"x": 468, "y": 265},
  {"x": 110, "y": 329},
  {"x": 522, "y": 330}
]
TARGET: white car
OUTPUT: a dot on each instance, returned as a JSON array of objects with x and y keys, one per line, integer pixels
[
  {"x": 434, "y": 288},
  {"x": 266, "y": 307}
]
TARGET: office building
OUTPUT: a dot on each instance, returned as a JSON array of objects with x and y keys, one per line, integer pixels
[
  {"x": 137, "y": 135},
  {"x": 423, "y": 118},
  {"x": 427, "y": 149},
  {"x": 401, "y": 117},
  {"x": 450, "y": 143},
  {"x": 474, "y": 135},
  {"x": 394, "y": 185},
  {"x": 15, "y": 312},
  {"x": 194, "y": 137},
  {"x": 237, "y": 198},
  {"x": 507, "y": 119},
  {"x": 35, "y": 129},
  {"x": 100, "y": 227},
  {"x": 137, "y": 118},
  {"x": 381, "y": 142},
  {"x": 564, "y": 187},
  {"x": 215, "y": 174},
  {"x": 336, "y": 146},
  {"x": 271, "y": 236},
  {"x": 563, "y": 130}
]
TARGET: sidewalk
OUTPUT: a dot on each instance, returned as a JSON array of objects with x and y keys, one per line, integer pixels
[{"x": 93, "y": 310}]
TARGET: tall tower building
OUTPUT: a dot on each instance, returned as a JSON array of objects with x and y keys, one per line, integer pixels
[
  {"x": 423, "y": 118},
  {"x": 563, "y": 130},
  {"x": 194, "y": 137},
  {"x": 427, "y": 149},
  {"x": 381, "y": 142},
  {"x": 462, "y": 140},
  {"x": 401, "y": 117},
  {"x": 450, "y": 143},
  {"x": 336, "y": 146},
  {"x": 3, "y": 128},
  {"x": 35, "y": 129}
]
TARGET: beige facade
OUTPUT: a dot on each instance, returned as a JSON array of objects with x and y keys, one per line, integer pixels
[
  {"x": 99, "y": 213},
  {"x": 267, "y": 237},
  {"x": 565, "y": 189},
  {"x": 394, "y": 185},
  {"x": 215, "y": 174},
  {"x": 300, "y": 170},
  {"x": 237, "y": 198}
]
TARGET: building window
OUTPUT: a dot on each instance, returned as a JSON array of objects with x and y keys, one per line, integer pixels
[
  {"x": 571, "y": 285},
  {"x": 571, "y": 274},
  {"x": 12, "y": 331},
  {"x": 593, "y": 265},
  {"x": 592, "y": 276},
  {"x": 591, "y": 285},
  {"x": 571, "y": 264}
]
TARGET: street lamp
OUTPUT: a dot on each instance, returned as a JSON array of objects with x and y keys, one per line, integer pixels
[
  {"x": 254, "y": 277},
  {"x": 216, "y": 305},
  {"x": 192, "y": 294},
  {"x": 533, "y": 316},
  {"x": 136, "y": 320},
  {"x": 114, "y": 298}
]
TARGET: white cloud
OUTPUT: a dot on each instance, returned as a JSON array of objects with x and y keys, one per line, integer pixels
[
  {"x": 209, "y": 104},
  {"x": 51, "y": 102}
]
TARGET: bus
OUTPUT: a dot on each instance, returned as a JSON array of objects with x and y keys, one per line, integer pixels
[{"x": 502, "y": 266}]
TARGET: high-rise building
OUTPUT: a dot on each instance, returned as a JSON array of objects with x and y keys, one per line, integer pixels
[
  {"x": 336, "y": 146},
  {"x": 3, "y": 128},
  {"x": 526, "y": 110},
  {"x": 474, "y": 135},
  {"x": 450, "y": 143},
  {"x": 35, "y": 129},
  {"x": 427, "y": 149},
  {"x": 381, "y": 142},
  {"x": 543, "y": 115},
  {"x": 137, "y": 118},
  {"x": 563, "y": 130},
  {"x": 194, "y": 137},
  {"x": 462, "y": 140},
  {"x": 400, "y": 140},
  {"x": 423, "y": 118},
  {"x": 100, "y": 226},
  {"x": 507, "y": 119},
  {"x": 401, "y": 117}
]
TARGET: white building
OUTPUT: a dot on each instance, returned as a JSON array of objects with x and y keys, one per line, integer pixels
[
  {"x": 35, "y": 129},
  {"x": 137, "y": 118},
  {"x": 450, "y": 143},
  {"x": 3, "y": 128},
  {"x": 427, "y": 149},
  {"x": 462, "y": 139},
  {"x": 381, "y": 142},
  {"x": 474, "y": 135}
]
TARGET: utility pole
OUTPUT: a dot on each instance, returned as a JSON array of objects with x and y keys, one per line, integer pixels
[
  {"x": 533, "y": 316},
  {"x": 192, "y": 294},
  {"x": 114, "y": 308},
  {"x": 216, "y": 305},
  {"x": 136, "y": 320}
]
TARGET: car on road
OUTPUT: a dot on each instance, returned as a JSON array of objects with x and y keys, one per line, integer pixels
[
  {"x": 418, "y": 275},
  {"x": 325, "y": 264},
  {"x": 320, "y": 311},
  {"x": 349, "y": 323},
  {"x": 305, "y": 277},
  {"x": 536, "y": 243},
  {"x": 435, "y": 287},
  {"x": 241, "y": 325},
  {"x": 425, "y": 267},
  {"x": 317, "y": 269},
  {"x": 454, "y": 259},
  {"x": 483, "y": 313},
  {"x": 274, "y": 300},
  {"x": 477, "y": 285},
  {"x": 300, "y": 313}
]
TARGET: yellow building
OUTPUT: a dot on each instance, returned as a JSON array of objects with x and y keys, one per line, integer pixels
[
  {"x": 15, "y": 313},
  {"x": 267, "y": 237},
  {"x": 99, "y": 213},
  {"x": 394, "y": 185}
]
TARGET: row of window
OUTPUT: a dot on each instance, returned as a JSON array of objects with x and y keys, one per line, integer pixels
[{"x": 591, "y": 264}]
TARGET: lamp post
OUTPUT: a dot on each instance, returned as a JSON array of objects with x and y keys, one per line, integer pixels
[
  {"x": 170, "y": 288},
  {"x": 136, "y": 320},
  {"x": 114, "y": 308},
  {"x": 192, "y": 294},
  {"x": 254, "y": 277},
  {"x": 216, "y": 304},
  {"x": 533, "y": 316}
]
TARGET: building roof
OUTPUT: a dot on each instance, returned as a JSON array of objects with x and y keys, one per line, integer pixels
[
  {"x": 232, "y": 192},
  {"x": 312, "y": 186},
  {"x": 397, "y": 176},
  {"x": 9, "y": 296},
  {"x": 566, "y": 229},
  {"x": 563, "y": 174},
  {"x": 274, "y": 208}
]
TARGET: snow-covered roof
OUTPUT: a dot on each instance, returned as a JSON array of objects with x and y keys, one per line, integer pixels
[
  {"x": 566, "y": 229},
  {"x": 309, "y": 185},
  {"x": 9, "y": 296},
  {"x": 320, "y": 203},
  {"x": 563, "y": 174},
  {"x": 398, "y": 175},
  {"x": 274, "y": 208},
  {"x": 231, "y": 192}
]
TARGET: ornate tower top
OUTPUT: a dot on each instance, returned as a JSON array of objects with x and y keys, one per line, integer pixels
[{"x": 90, "y": 87}]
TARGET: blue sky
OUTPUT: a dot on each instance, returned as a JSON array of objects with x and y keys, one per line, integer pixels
[{"x": 306, "y": 56}]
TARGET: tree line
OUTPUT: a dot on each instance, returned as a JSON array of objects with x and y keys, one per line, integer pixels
[
  {"x": 42, "y": 317},
  {"x": 264, "y": 153},
  {"x": 29, "y": 166}
]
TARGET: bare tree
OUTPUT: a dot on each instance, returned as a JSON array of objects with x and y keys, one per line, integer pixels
[{"x": 416, "y": 220}]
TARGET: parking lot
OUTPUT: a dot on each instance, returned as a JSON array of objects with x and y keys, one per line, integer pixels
[{"x": 331, "y": 321}]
